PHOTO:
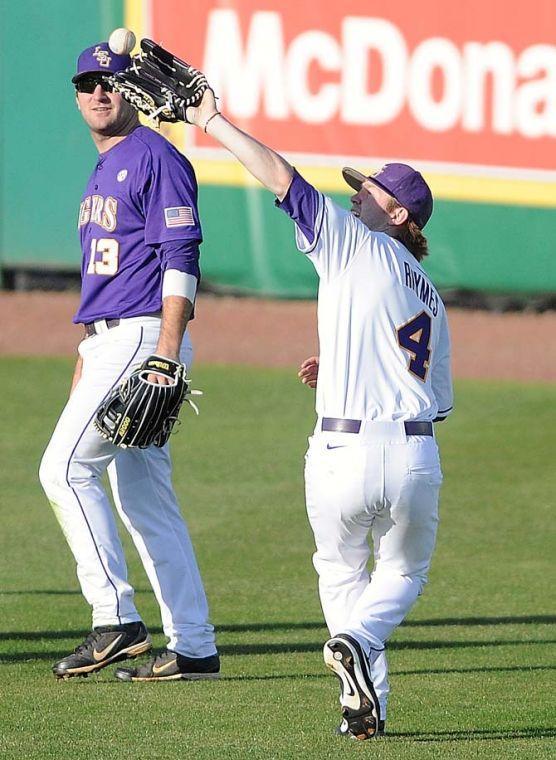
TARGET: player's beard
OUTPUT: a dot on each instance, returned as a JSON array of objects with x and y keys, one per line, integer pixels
[
  {"x": 123, "y": 122},
  {"x": 375, "y": 217},
  {"x": 120, "y": 119}
]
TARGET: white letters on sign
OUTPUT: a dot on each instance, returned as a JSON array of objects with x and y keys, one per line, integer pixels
[{"x": 475, "y": 86}]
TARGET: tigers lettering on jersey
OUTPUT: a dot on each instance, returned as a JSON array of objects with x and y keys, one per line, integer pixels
[
  {"x": 422, "y": 287},
  {"x": 99, "y": 210},
  {"x": 121, "y": 225}
]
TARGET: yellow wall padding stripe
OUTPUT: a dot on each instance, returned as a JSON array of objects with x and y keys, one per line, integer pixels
[{"x": 468, "y": 188}]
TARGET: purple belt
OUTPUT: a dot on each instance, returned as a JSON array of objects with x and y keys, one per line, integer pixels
[{"x": 338, "y": 425}]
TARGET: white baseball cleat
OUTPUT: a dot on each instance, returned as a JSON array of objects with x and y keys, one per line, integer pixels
[{"x": 360, "y": 707}]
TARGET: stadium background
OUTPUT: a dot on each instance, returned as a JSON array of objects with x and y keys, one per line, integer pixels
[{"x": 467, "y": 96}]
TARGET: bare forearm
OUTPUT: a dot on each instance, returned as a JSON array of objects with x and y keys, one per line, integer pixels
[
  {"x": 176, "y": 312},
  {"x": 269, "y": 167}
]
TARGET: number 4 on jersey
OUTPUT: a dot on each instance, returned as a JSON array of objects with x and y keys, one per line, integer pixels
[{"x": 415, "y": 337}]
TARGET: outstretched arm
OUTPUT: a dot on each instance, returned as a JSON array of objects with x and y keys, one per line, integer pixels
[{"x": 269, "y": 167}]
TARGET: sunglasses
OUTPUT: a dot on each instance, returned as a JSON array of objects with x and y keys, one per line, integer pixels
[{"x": 89, "y": 84}]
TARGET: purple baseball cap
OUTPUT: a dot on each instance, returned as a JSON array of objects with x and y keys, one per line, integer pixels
[
  {"x": 403, "y": 183},
  {"x": 99, "y": 58}
]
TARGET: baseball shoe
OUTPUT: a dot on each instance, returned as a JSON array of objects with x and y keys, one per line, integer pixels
[
  {"x": 343, "y": 730},
  {"x": 104, "y": 645},
  {"x": 360, "y": 707},
  {"x": 171, "y": 666}
]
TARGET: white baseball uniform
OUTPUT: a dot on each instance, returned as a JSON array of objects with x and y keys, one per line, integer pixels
[
  {"x": 138, "y": 218},
  {"x": 140, "y": 480},
  {"x": 372, "y": 466}
]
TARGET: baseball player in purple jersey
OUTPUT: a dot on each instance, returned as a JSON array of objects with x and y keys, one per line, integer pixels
[
  {"x": 140, "y": 233},
  {"x": 372, "y": 468}
]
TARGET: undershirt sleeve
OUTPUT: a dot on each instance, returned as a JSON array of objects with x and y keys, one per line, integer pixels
[
  {"x": 327, "y": 233},
  {"x": 182, "y": 255}
]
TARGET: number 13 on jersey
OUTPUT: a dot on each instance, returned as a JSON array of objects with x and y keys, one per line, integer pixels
[
  {"x": 104, "y": 256},
  {"x": 415, "y": 337}
]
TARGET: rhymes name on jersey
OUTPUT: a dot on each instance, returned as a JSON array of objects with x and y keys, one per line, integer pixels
[
  {"x": 99, "y": 210},
  {"x": 422, "y": 287}
]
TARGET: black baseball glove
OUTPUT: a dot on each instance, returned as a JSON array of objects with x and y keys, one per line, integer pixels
[
  {"x": 141, "y": 413},
  {"x": 159, "y": 84}
]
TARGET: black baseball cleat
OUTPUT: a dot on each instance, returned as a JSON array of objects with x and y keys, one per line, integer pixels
[
  {"x": 360, "y": 707},
  {"x": 171, "y": 666},
  {"x": 104, "y": 645},
  {"x": 343, "y": 730}
]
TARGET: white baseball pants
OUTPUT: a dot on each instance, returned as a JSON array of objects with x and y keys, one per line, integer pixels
[
  {"x": 140, "y": 479},
  {"x": 383, "y": 483}
]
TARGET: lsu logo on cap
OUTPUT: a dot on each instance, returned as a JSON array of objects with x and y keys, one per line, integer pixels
[{"x": 103, "y": 56}]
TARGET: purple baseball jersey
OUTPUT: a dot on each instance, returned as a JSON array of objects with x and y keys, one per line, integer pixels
[{"x": 141, "y": 197}]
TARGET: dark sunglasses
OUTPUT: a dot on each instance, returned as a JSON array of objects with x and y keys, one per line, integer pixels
[{"x": 89, "y": 84}]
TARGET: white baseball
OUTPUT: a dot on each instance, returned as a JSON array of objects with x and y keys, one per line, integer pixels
[{"x": 121, "y": 41}]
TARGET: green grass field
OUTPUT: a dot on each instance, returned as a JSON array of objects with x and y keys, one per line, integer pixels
[{"x": 471, "y": 669}]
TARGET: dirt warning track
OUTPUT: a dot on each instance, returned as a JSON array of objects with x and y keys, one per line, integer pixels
[{"x": 512, "y": 346}]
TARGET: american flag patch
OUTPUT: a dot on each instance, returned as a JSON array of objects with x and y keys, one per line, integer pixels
[{"x": 179, "y": 216}]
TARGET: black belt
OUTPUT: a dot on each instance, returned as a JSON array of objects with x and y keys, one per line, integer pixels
[
  {"x": 338, "y": 425},
  {"x": 90, "y": 329}
]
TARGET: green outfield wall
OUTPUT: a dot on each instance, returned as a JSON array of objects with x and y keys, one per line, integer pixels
[
  {"x": 47, "y": 153},
  {"x": 47, "y": 156},
  {"x": 249, "y": 246}
]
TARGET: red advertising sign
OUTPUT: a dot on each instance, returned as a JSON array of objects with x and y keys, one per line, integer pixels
[{"x": 461, "y": 83}]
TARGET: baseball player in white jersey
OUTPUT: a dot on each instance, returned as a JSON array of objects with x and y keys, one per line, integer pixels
[
  {"x": 140, "y": 232},
  {"x": 384, "y": 377}
]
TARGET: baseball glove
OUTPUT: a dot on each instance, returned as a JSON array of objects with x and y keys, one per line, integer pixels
[
  {"x": 159, "y": 84},
  {"x": 141, "y": 413}
]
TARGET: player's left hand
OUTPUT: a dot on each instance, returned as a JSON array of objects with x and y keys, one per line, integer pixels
[
  {"x": 207, "y": 108},
  {"x": 163, "y": 379},
  {"x": 140, "y": 412},
  {"x": 158, "y": 379},
  {"x": 309, "y": 371},
  {"x": 160, "y": 84}
]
